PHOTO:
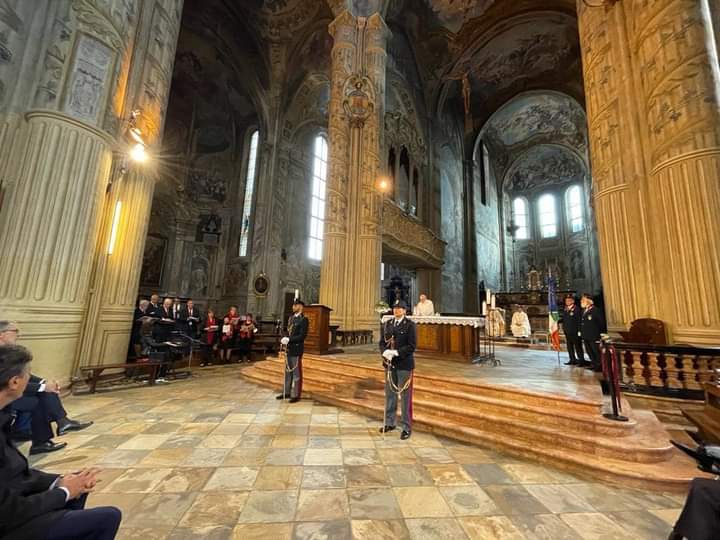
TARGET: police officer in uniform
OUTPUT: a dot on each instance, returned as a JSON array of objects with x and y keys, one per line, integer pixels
[
  {"x": 571, "y": 319},
  {"x": 295, "y": 341},
  {"x": 397, "y": 344},
  {"x": 592, "y": 327}
]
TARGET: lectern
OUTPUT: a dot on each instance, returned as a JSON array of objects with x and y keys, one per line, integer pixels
[{"x": 318, "y": 338}]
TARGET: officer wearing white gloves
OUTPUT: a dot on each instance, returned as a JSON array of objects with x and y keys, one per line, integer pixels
[
  {"x": 295, "y": 342},
  {"x": 397, "y": 344}
]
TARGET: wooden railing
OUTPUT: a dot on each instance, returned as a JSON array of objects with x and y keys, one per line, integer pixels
[{"x": 669, "y": 370}]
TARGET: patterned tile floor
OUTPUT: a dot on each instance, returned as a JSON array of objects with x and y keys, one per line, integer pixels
[{"x": 216, "y": 457}]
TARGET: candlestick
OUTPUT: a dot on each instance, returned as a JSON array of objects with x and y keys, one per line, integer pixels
[
  {"x": 487, "y": 295},
  {"x": 297, "y": 294},
  {"x": 484, "y": 308},
  {"x": 492, "y": 301}
]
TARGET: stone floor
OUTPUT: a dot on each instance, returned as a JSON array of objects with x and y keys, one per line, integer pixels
[{"x": 216, "y": 457}]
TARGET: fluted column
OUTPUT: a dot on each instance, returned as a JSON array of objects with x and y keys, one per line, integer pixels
[
  {"x": 651, "y": 78},
  {"x": 350, "y": 272},
  {"x": 618, "y": 167},
  {"x": 62, "y": 110},
  {"x": 678, "y": 70},
  {"x": 48, "y": 228}
]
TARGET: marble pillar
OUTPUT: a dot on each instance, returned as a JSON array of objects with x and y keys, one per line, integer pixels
[
  {"x": 350, "y": 271},
  {"x": 66, "y": 115},
  {"x": 651, "y": 80},
  {"x": 115, "y": 277}
]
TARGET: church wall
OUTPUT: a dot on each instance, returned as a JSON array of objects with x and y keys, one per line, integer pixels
[
  {"x": 487, "y": 224},
  {"x": 449, "y": 164}
]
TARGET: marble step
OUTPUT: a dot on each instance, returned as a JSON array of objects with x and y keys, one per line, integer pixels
[
  {"x": 637, "y": 449},
  {"x": 673, "y": 474},
  {"x": 335, "y": 369},
  {"x": 516, "y": 408},
  {"x": 643, "y": 447}
]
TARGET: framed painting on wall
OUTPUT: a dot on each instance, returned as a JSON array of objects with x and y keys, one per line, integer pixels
[{"x": 153, "y": 261}]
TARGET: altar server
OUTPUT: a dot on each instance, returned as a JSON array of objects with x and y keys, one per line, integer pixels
[
  {"x": 424, "y": 307},
  {"x": 397, "y": 344}
]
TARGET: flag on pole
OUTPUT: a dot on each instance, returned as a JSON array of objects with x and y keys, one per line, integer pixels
[{"x": 553, "y": 314}]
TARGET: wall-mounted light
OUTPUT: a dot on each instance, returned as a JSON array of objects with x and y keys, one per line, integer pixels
[
  {"x": 138, "y": 153},
  {"x": 383, "y": 184},
  {"x": 114, "y": 229},
  {"x": 138, "y": 149}
]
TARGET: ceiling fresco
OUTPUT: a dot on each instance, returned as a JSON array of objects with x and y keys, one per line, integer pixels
[
  {"x": 544, "y": 165},
  {"x": 541, "y": 51},
  {"x": 453, "y": 14},
  {"x": 539, "y": 117}
]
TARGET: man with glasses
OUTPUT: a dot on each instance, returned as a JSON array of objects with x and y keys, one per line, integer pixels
[{"x": 41, "y": 399}]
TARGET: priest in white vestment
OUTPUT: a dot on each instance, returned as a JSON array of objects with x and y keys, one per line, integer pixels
[
  {"x": 424, "y": 307},
  {"x": 520, "y": 324}
]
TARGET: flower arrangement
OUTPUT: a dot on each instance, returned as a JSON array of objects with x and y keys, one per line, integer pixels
[{"x": 382, "y": 307}]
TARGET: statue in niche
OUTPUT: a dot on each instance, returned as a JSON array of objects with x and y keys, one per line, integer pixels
[
  {"x": 577, "y": 264},
  {"x": 199, "y": 278},
  {"x": 534, "y": 281}
]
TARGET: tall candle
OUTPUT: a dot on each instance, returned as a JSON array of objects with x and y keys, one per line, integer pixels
[
  {"x": 484, "y": 308},
  {"x": 297, "y": 293},
  {"x": 487, "y": 295},
  {"x": 492, "y": 301}
]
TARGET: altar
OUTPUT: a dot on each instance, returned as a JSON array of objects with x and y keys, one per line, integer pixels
[{"x": 454, "y": 338}]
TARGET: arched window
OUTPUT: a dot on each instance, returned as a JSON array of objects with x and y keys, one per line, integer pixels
[
  {"x": 573, "y": 203},
  {"x": 317, "y": 206},
  {"x": 521, "y": 219},
  {"x": 547, "y": 216},
  {"x": 249, "y": 191}
]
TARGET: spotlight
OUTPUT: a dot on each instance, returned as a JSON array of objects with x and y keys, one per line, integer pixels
[{"x": 138, "y": 153}]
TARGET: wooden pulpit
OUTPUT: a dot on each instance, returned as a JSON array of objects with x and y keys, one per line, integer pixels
[{"x": 318, "y": 338}]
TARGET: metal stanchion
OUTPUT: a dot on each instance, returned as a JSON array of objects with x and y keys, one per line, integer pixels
[{"x": 611, "y": 372}]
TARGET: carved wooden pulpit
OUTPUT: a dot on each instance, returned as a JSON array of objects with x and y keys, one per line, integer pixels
[{"x": 318, "y": 338}]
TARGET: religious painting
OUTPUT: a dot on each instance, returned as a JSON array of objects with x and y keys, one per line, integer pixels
[
  {"x": 153, "y": 261},
  {"x": 87, "y": 80}
]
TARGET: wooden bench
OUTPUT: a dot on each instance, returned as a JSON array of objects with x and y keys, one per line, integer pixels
[
  {"x": 355, "y": 337},
  {"x": 94, "y": 374}
]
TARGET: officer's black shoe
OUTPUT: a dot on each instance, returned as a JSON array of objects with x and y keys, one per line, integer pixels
[
  {"x": 385, "y": 429},
  {"x": 294, "y": 400},
  {"x": 569, "y": 363},
  {"x": 281, "y": 396},
  {"x": 47, "y": 446},
  {"x": 405, "y": 435},
  {"x": 66, "y": 425}
]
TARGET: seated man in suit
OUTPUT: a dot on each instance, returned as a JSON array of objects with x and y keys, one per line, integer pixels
[
  {"x": 41, "y": 399},
  {"x": 35, "y": 505}
]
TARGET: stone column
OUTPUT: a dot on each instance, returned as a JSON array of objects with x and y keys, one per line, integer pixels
[
  {"x": 115, "y": 277},
  {"x": 679, "y": 90},
  {"x": 651, "y": 78},
  {"x": 470, "y": 283},
  {"x": 350, "y": 272},
  {"x": 65, "y": 106}
]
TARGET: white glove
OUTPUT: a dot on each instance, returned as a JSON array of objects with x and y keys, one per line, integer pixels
[
  {"x": 388, "y": 354},
  {"x": 395, "y": 353},
  {"x": 285, "y": 340}
]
